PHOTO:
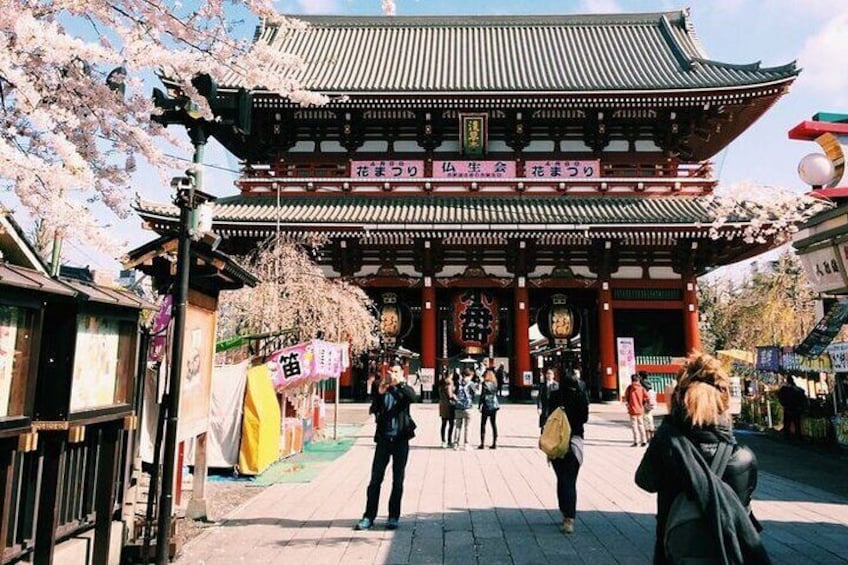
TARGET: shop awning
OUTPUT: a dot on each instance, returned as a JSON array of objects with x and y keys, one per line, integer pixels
[{"x": 825, "y": 331}]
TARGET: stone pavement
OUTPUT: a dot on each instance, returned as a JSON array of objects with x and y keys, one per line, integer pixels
[{"x": 497, "y": 507}]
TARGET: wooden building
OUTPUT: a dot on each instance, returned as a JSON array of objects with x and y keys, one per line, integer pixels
[{"x": 502, "y": 164}]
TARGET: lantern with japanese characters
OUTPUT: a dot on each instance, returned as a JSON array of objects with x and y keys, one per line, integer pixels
[
  {"x": 475, "y": 320},
  {"x": 395, "y": 319},
  {"x": 558, "y": 321}
]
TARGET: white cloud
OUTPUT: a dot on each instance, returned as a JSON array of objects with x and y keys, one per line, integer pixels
[
  {"x": 823, "y": 59},
  {"x": 600, "y": 7}
]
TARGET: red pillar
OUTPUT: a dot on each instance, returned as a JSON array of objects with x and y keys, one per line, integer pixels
[
  {"x": 428, "y": 325},
  {"x": 691, "y": 328},
  {"x": 521, "y": 333},
  {"x": 606, "y": 343}
]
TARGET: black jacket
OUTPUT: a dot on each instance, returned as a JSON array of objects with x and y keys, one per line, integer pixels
[
  {"x": 574, "y": 398},
  {"x": 403, "y": 396},
  {"x": 671, "y": 466}
]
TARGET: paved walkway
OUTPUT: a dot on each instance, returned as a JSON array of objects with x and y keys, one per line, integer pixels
[{"x": 497, "y": 507}]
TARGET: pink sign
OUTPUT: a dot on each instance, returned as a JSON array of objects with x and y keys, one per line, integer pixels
[
  {"x": 291, "y": 366},
  {"x": 160, "y": 326},
  {"x": 474, "y": 169},
  {"x": 562, "y": 169},
  {"x": 386, "y": 169}
]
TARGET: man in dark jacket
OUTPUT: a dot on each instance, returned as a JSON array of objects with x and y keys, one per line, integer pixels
[
  {"x": 793, "y": 400},
  {"x": 390, "y": 406},
  {"x": 544, "y": 402}
]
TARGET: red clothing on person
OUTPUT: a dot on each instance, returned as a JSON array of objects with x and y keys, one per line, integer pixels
[{"x": 635, "y": 396}]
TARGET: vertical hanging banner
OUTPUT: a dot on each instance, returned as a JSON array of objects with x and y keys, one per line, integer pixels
[
  {"x": 626, "y": 347},
  {"x": 473, "y": 134}
]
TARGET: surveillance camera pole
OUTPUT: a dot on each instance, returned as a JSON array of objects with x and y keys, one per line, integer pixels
[{"x": 185, "y": 199}]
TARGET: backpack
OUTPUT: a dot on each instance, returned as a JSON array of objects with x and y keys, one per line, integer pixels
[
  {"x": 463, "y": 399},
  {"x": 686, "y": 539},
  {"x": 555, "y": 440},
  {"x": 490, "y": 399}
]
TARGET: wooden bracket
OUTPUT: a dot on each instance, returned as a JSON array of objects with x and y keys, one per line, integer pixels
[
  {"x": 28, "y": 442},
  {"x": 76, "y": 434},
  {"x": 51, "y": 425},
  {"x": 131, "y": 422}
]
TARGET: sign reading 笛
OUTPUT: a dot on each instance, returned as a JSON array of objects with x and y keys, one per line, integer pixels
[
  {"x": 562, "y": 169},
  {"x": 474, "y": 169},
  {"x": 386, "y": 169}
]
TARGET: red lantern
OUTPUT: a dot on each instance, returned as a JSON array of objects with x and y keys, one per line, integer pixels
[
  {"x": 475, "y": 320},
  {"x": 558, "y": 321},
  {"x": 395, "y": 319}
]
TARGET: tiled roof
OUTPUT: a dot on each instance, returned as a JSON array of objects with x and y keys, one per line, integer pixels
[
  {"x": 610, "y": 52},
  {"x": 455, "y": 211}
]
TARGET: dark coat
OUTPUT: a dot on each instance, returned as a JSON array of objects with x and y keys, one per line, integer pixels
[
  {"x": 672, "y": 465},
  {"x": 403, "y": 396},
  {"x": 574, "y": 398}
]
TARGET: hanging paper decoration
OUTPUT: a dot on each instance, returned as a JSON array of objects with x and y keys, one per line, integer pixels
[
  {"x": 311, "y": 361},
  {"x": 475, "y": 320},
  {"x": 558, "y": 321},
  {"x": 395, "y": 319}
]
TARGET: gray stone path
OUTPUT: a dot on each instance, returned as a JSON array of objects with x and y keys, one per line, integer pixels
[{"x": 497, "y": 507}]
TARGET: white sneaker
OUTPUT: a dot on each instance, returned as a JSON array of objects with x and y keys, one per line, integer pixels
[{"x": 444, "y": 445}]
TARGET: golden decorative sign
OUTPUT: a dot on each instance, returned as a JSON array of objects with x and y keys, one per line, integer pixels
[{"x": 473, "y": 134}]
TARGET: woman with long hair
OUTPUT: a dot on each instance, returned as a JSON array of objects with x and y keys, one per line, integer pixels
[
  {"x": 489, "y": 407},
  {"x": 447, "y": 402},
  {"x": 571, "y": 396},
  {"x": 687, "y": 455}
]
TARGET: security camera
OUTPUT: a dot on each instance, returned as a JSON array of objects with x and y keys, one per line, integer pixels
[{"x": 182, "y": 183}]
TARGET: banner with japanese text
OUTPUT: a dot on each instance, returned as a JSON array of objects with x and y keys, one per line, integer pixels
[
  {"x": 562, "y": 169},
  {"x": 311, "y": 361},
  {"x": 474, "y": 169},
  {"x": 381, "y": 169}
]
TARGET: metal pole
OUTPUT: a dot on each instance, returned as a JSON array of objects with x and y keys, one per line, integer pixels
[{"x": 185, "y": 200}]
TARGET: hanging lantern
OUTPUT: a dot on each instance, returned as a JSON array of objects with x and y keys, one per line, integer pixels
[
  {"x": 558, "y": 321},
  {"x": 475, "y": 320},
  {"x": 395, "y": 319}
]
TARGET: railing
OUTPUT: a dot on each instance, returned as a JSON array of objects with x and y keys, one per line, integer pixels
[{"x": 75, "y": 499}]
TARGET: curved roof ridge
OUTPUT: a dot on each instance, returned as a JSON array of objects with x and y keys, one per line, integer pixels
[
  {"x": 756, "y": 66},
  {"x": 544, "y": 20}
]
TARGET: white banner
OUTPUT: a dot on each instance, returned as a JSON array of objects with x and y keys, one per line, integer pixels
[{"x": 626, "y": 347}]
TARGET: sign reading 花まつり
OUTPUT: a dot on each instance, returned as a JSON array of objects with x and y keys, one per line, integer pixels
[
  {"x": 400, "y": 169},
  {"x": 562, "y": 169}
]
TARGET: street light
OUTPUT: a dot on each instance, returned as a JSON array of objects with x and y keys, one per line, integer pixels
[{"x": 816, "y": 170}]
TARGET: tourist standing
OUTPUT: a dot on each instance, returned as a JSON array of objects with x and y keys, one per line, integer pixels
[
  {"x": 635, "y": 398},
  {"x": 679, "y": 460},
  {"x": 489, "y": 407},
  {"x": 464, "y": 403},
  {"x": 571, "y": 395},
  {"x": 545, "y": 401},
  {"x": 649, "y": 405},
  {"x": 793, "y": 400},
  {"x": 395, "y": 428},
  {"x": 447, "y": 401}
]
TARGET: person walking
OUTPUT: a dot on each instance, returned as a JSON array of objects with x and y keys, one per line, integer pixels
[
  {"x": 395, "y": 428},
  {"x": 680, "y": 460},
  {"x": 447, "y": 401},
  {"x": 489, "y": 407},
  {"x": 649, "y": 405},
  {"x": 793, "y": 400},
  {"x": 462, "y": 413},
  {"x": 635, "y": 397},
  {"x": 571, "y": 395},
  {"x": 544, "y": 400}
]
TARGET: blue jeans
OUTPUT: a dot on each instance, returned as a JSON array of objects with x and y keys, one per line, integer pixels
[{"x": 398, "y": 452}]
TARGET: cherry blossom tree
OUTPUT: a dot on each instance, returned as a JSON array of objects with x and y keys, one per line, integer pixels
[
  {"x": 293, "y": 294},
  {"x": 74, "y": 104}
]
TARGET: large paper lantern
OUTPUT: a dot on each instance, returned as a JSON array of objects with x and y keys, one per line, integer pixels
[
  {"x": 475, "y": 320},
  {"x": 557, "y": 320},
  {"x": 395, "y": 319}
]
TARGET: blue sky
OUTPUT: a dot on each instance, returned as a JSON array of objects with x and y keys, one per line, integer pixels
[{"x": 813, "y": 32}]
